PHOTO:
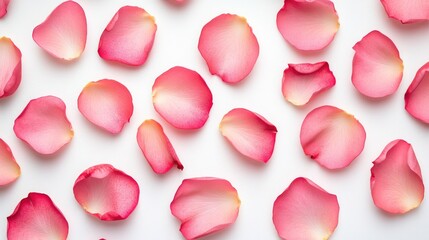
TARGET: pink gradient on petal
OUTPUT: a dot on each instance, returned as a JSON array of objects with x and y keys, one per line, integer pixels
[
  {"x": 229, "y": 47},
  {"x": 3, "y": 7},
  {"x": 9, "y": 169},
  {"x": 410, "y": 11},
  {"x": 204, "y": 206},
  {"x": 305, "y": 211},
  {"x": 417, "y": 95},
  {"x": 10, "y": 67},
  {"x": 332, "y": 137},
  {"x": 250, "y": 133},
  {"x": 36, "y": 217}
]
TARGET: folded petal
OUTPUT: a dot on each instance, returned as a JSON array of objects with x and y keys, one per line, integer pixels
[
  {"x": 129, "y": 36},
  {"x": 9, "y": 169},
  {"x": 229, "y": 47},
  {"x": 250, "y": 133},
  {"x": 44, "y": 125},
  {"x": 106, "y": 103},
  {"x": 305, "y": 211},
  {"x": 417, "y": 95},
  {"x": 303, "y": 81},
  {"x": 36, "y": 217},
  {"x": 204, "y": 206},
  {"x": 409, "y": 11},
  {"x": 396, "y": 180},
  {"x": 377, "y": 66},
  {"x": 106, "y": 192},
  {"x": 182, "y": 98},
  {"x": 10, "y": 67},
  {"x": 156, "y": 147},
  {"x": 63, "y": 33},
  {"x": 332, "y": 137},
  {"x": 308, "y": 24},
  {"x": 3, "y": 7}
]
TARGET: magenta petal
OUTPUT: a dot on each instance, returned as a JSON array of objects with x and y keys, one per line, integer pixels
[
  {"x": 417, "y": 95},
  {"x": 3, "y": 7},
  {"x": 10, "y": 67},
  {"x": 409, "y": 11},
  {"x": 9, "y": 169}
]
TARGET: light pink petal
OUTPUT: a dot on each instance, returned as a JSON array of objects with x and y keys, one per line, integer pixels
[
  {"x": 250, "y": 133},
  {"x": 204, "y": 206},
  {"x": 308, "y": 24},
  {"x": 305, "y": 211},
  {"x": 303, "y": 81},
  {"x": 417, "y": 95},
  {"x": 44, "y": 125},
  {"x": 106, "y": 192},
  {"x": 63, "y": 33},
  {"x": 156, "y": 147},
  {"x": 3, "y": 7},
  {"x": 36, "y": 217},
  {"x": 106, "y": 103},
  {"x": 10, "y": 67},
  {"x": 182, "y": 98},
  {"x": 229, "y": 47},
  {"x": 409, "y": 11},
  {"x": 396, "y": 180},
  {"x": 9, "y": 169},
  {"x": 332, "y": 137},
  {"x": 377, "y": 66},
  {"x": 129, "y": 36}
]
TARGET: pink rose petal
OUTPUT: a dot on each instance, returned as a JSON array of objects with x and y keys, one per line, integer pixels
[
  {"x": 396, "y": 180},
  {"x": 204, "y": 206},
  {"x": 129, "y": 36},
  {"x": 106, "y": 103},
  {"x": 332, "y": 137},
  {"x": 106, "y": 192},
  {"x": 301, "y": 82},
  {"x": 305, "y": 211},
  {"x": 10, "y": 67},
  {"x": 308, "y": 24},
  {"x": 182, "y": 98},
  {"x": 417, "y": 95},
  {"x": 377, "y": 66},
  {"x": 3, "y": 7},
  {"x": 156, "y": 147},
  {"x": 9, "y": 169},
  {"x": 229, "y": 47},
  {"x": 44, "y": 125},
  {"x": 63, "y": 33},
  {"x": 250, "y": 133},
  {"x": 409, "y": 11},
  {"x": 36, "y": 217}
]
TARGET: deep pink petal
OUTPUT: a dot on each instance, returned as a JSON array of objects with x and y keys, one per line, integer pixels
[
  {"x": 308, "y": 24},
  {"x": 229, "y": 47},
  {"x": 106, "y": 192},
  {"x": 205, "y": 206},
  {"x": 250, "y": 133},
  {"x": 305, "y": 211},
  {"x": 10, "y": 67},
  {"x": 63, "y": 33},
  {"x": 156, "y": 147},
  {"x": 396, "y": 180},
  {"x": 182, "y": 98},
  {"x": 332, "y": 137},
  {"x": 303, "y": 81},
  {"x": 44, "y": 125},
  {"x": 409, "y": 11},
  {"x": 377, "y": 66},
  {"x": 417, "y": 95},
  {"x": 36, "y": 217},
  {"x": 9, "y": 169},
  {"x": 3, "y": 7},
  {"x": 129, "y": 36},
  {"x": 106, "y": 103}
]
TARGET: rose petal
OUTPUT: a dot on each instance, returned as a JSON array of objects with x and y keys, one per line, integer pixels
[
  {"x": 36, "y": 217},
  {"x": 63, "y": 33},
  {"x": 396, "y": 180},
  {"x": 3, "y": 7},
  {"x": 332, "y": 137},
  {"x": 106, "y": 103},
  {"x": 303, "y": 81},
  {"x": 409, "y": 11},
  {"x": 308, "y": 25},
  {"x": 9, "y": 169},
  {"x": 305, "y": 211},
  {"x": 250, "y": 133},
  {"x": 106, "y": 192},
  {"x": 377, "y": 66},
  {"x": 182, "y": 98},
  {"x": 10, "y": 67},
  {"x": 44, "y": 125},
  {"x": 129, "y": 36},
  {"x": 417, "y": 97},
  {"x": 156, "y": 147},
  {"x": 204, "y": 206},
  {"x": 229, "y": 47}
]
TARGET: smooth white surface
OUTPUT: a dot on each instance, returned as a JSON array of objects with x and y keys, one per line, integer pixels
[{"x": 205, "y": 152}]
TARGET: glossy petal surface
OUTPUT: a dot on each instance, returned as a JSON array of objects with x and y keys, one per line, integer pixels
[
  {"x": 409, "y": 11},
  {"x": 417, "y": 95},
  {"x": 9, "y": 169},
  {"x": 10, "y": 67}
]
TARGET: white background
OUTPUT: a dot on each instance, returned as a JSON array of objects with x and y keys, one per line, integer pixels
[{"x": 205, "y": 152}]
